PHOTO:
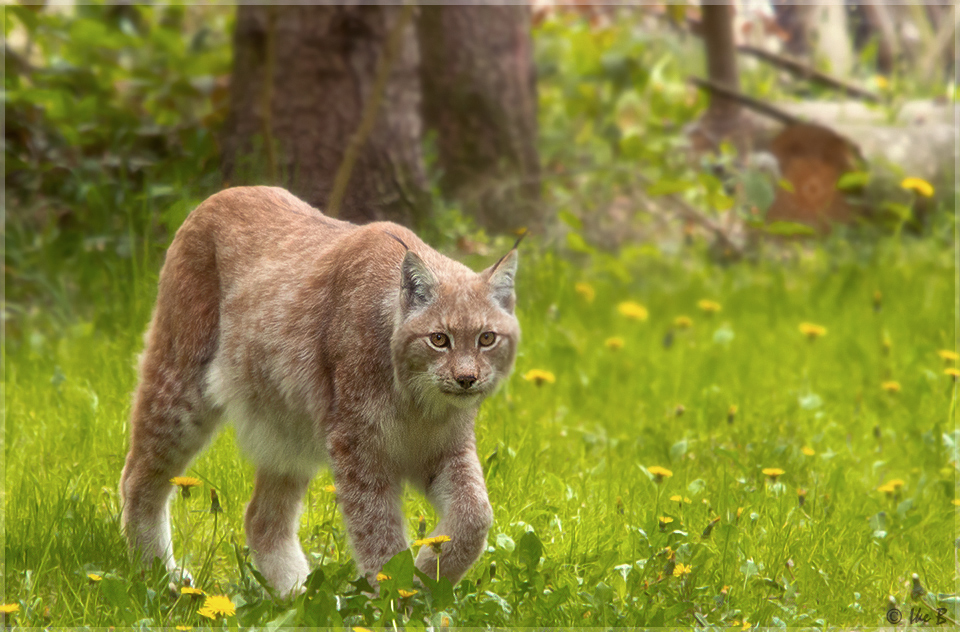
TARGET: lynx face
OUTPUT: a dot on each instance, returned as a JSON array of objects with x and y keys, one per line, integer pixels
[{"x": 456, "y": 336}]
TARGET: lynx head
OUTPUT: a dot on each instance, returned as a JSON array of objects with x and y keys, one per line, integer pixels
[{"x": 456, "y": 335}]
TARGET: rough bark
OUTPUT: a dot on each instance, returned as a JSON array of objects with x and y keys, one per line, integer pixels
[
  {"x": 301, "y": 78},
  {"x": 479, "y": 95}
]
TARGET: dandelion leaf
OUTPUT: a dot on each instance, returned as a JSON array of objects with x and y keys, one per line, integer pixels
[
  {"x": 529, "y": 550},
  {"x": 400, "y": 570}
]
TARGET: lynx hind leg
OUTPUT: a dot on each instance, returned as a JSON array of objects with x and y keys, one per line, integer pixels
[
  {"x": 169, "y": 429},
  {"x": 272, "y": 523},
  {"x": 171, "y": 420}
]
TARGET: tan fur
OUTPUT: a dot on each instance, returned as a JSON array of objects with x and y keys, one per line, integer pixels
[{"x": 313, "y": 336}]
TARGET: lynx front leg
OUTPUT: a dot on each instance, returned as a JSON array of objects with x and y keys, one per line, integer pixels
[
  {"x": 370, "y": 501},
  {"x": 271, "y": 523},
  {"x": 460, "y": 497}
]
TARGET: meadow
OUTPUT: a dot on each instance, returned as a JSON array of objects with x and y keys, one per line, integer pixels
[
  {"x": 672, "y": 363},
  {"x": 685, "y": 441}
]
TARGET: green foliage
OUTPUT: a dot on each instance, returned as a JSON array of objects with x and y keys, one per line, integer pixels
[{"x": 111, "y": 112}]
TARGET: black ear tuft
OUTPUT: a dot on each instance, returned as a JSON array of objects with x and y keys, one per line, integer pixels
[
  {"x": 418, "y": 285},
  {"x": 400, "y": 241}
]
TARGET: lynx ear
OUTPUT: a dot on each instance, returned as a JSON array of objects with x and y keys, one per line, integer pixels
[
  {"x": 499, "y": 277},
  {"x": 418, "y": 285}
]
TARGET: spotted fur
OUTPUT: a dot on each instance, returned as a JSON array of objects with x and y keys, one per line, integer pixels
[{"x": 314, "y": 337}]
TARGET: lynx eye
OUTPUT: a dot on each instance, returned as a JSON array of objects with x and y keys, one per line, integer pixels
[
  {"x": 487, "y": 338},
  {"x": 439, "y": 340}
]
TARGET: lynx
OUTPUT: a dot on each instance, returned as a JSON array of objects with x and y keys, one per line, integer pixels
[{"x": 325, "y": 343}]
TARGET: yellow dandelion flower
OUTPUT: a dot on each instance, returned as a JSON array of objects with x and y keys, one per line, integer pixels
[
  {"x": 812, "y": 331},
  {"x": 919, "y": 185},
  {"x": 539, "y": 376},
  {"x": 330, "y": 489},
  {"x": 94, "y": 577},
  {"x": 614, "y": 344},
  {"x": 708, "y": 306},
  {"x": 746, "y": 625},
  {"x": 633, "y": 310},
  {"x": 437, "y": 539},
  {"x": 216, "y": 605},
  {"x": 663, "y": 521},
  {"x": 954, "y": 373},
  {"x": 359, "y": 629},
  {"x": 445, "y": 622},
  {"x": 185, "y": 483},
  {"x": 9, "y": 608},
  {"x": 586, "y": 291},
  {"x": 190, "y": 590},
  {"x": 956, "y": 501},
  {"x": 184, "y": 627},
  {"x": 773, "y": 472},
  {"x": 407, "y": 593},
  {"x": 382, "y": 577},
  {"x": 659, "y": 473},
  {"x": 739, "y": 512},
  {"x": 881, "y": 82},
  {"x": 435, "y": 543},
  {"x": 948, "y": 356},
  {"x": 681, "y": 569},
  {"x": 682, "y": 322},
  {"x": 891, "y": 387},
  {"x": 677, "y": 498},
  {"x": 808, "y": 450},
  {"x": 893, "y": 484}
]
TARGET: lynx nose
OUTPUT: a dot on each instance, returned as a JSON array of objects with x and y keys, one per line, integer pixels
[{"x": 466, "y": 381}]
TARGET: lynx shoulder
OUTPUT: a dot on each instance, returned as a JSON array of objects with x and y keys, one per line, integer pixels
[{"x": 359, "y": 348}]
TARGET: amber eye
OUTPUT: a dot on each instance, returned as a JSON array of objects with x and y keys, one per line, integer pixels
[
  {"x": 439, "y": 340},
  {"x": 487, "y": 338}
]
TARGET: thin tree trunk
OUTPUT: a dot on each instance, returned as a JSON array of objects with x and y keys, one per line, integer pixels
[
  {"x": 724, "y": 117},
  {"x": 878, "y": 16},
  {"x": 479, "y": 95},
  {"x": 301, "y": 113}
]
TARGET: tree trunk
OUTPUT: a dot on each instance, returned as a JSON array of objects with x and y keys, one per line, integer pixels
[
  {"x": 302, "y": 77},
  {"x": 878, "y": 17},
  {"x": 479, "y": 95},
  {"x": 724, "y": 119}
]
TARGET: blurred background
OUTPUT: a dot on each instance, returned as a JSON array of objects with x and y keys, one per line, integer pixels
[{"x": 595, "y": 125}]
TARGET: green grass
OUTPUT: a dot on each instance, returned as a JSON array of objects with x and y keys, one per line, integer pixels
[{"x": 567, "y": 461}]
